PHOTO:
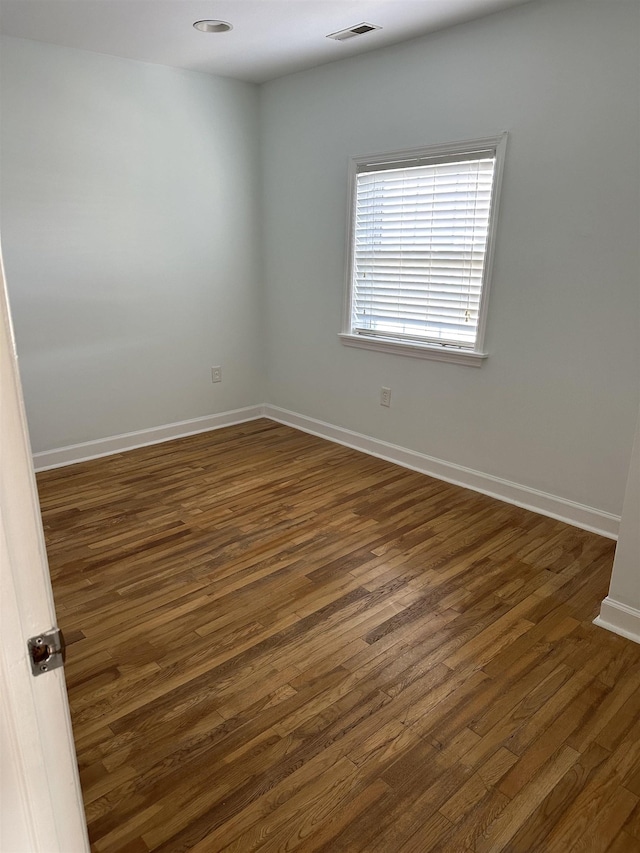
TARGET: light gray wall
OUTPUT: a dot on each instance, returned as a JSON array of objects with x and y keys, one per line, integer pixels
[
  {"x": 554, "y": 406},
  {"x": 130, "y": 232}
]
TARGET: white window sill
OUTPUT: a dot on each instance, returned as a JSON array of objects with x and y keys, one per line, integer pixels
[{"x": 469, "y": 358}]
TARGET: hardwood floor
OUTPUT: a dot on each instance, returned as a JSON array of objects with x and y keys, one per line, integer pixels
[{"x": 281, "y": 644}]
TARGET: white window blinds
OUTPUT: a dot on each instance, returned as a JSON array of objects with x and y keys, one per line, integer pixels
[{"x": 419, "y": 248}]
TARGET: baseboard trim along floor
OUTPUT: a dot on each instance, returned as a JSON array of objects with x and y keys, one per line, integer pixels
[
  {"x": 553, "y": 506},
  {"x": 579, "y": 515},
  {"x": 62, "y": 456},
  {"x": 619, "y": 618}
]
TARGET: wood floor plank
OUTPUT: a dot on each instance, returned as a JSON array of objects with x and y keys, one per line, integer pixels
[
  {"x": 276, "y": 643},
  {"x": 504, "y": 827}
]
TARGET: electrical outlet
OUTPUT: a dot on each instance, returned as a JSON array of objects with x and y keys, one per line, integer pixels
[
  {"x": 216, "y": 374},
  {"x": 385, "y": 397}
]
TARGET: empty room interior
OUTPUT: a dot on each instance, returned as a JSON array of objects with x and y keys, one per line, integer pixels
[{"x": 330, "y": 355}]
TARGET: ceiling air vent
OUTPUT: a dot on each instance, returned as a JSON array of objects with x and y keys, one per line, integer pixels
[{"x": 352, "y": 32}]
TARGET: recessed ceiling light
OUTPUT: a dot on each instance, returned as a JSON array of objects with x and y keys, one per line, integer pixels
[{"x": 213, "y": 26}]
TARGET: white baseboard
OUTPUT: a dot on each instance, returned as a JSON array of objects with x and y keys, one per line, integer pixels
[
  {"x": 579, "y": 515},
  {"x": 619, "y": 618},
  {"x": 47, "y": 459}
]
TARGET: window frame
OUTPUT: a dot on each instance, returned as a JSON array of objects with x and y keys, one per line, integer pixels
[{"x": 469, "y": 356}]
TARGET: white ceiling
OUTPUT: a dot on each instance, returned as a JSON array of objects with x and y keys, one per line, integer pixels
[{"x": 269, "y": 37}]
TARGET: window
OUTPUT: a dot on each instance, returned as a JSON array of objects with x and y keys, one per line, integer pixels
[{"x": 422, "y": 228}]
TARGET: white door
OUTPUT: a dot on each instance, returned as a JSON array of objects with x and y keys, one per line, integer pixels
[{"x": 40, "y": 797}]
